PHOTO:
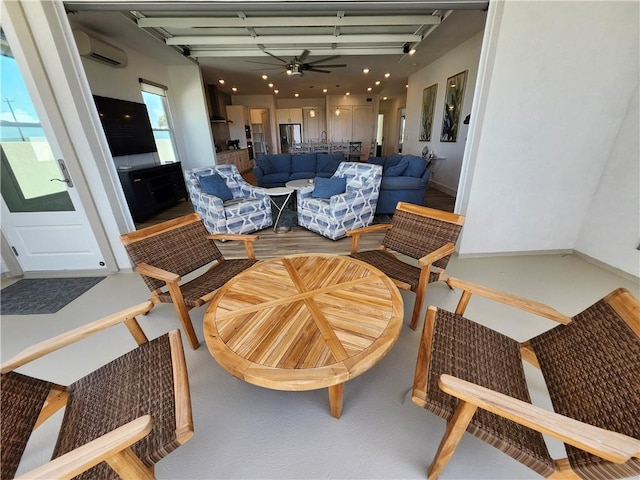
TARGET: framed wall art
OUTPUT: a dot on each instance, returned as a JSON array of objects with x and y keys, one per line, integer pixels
[
  {"x": 428, "y": 107},
  {"x": 454, "y": 96}
]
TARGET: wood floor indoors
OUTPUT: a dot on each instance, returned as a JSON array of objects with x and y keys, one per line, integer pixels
[{"x": 298, "y": 240}]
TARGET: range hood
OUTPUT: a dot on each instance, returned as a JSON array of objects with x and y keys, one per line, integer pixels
[{"x": 214, "y": 106}]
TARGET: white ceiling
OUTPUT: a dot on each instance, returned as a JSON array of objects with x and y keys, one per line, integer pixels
[{"x": 227, "y": 38}]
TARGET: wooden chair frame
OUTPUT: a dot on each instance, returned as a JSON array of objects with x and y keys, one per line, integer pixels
[
  {"x": 172, "y": 280},
  {"x": 425, "y": 263},
  {"x": 611, "y": 446},
  {"x": 113, "y": 447}
]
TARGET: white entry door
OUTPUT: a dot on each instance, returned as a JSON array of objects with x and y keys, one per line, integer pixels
[{"x": 42, "y": 217}]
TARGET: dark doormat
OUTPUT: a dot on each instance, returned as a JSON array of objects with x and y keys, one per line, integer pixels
[{"x": 33, "y": 296}]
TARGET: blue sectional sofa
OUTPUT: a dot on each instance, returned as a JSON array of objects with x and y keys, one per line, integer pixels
[
  {"x": 277, "y": 169},
  {"x": 404, "y": 179}
]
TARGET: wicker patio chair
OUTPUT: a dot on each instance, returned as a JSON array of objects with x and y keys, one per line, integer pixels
[
  {"x": 425, "y": 234},
  {"x": 474, "y": 378},
  {"x": 164, "y": 253},
  {"x": 118, "y": 421}
]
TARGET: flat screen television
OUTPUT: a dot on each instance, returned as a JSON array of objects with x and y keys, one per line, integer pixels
[{"x": 126, "y": 126}]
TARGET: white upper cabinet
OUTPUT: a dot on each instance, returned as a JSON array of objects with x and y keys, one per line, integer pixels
[{"x": 289, "y": 115}]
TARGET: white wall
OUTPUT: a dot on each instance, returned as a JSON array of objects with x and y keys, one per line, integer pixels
[
  {"x": 611, "y": 228},
  {"x": 463, "y": 57},
  {"x": 556, "y": 80},
  {"x": 190, "y": 117}
]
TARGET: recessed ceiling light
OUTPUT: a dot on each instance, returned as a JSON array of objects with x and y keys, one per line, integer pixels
[
  {"x": 406, "y": 86},
  {"x": 270, "y": 85},
  {"x": 296, "y": 94},
  {"x": 384, "y": 98},
  {"x": 276, "y": 91},
  {"x": 412, "y": 51},
  {"x": 369, "y": 89},
  {"x": 387, "y": 75},
  {"x": 365, "y": 71},
  {"x": 324, "y": 90},
  {"x": 264, "y": 77},
  {"x": 348, "y": 93},
  {"x": 234, "y": 89},
  {"x": 221, "y": 81},
  {"x": 377, "y": 82}
]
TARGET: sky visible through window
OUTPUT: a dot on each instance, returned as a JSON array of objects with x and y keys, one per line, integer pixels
[
  {"x": 18, "y": 116},
  {"x": 157, "y": 114}
]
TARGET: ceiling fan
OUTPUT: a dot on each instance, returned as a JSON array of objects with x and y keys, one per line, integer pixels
[{"x": 297, "y": 66}]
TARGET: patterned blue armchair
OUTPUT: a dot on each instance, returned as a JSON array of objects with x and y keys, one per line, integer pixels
[
  {"x": 249, "y": 209},
  {"x": 355, "y": 208}
]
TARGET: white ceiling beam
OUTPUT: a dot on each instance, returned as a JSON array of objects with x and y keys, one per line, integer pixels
[
  {"x": 200, "y": 53},
  {"x": 226, "y": 22},
  {"x": 289, "y": 39}
]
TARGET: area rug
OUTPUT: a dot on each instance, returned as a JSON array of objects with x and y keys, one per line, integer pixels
[{"x": 43, "y": 295}]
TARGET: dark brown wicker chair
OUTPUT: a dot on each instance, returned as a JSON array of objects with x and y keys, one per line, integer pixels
[
  {"x": 422, "y": 233},
  {"x": 118, "y": 421},
  {"x": 474, "y": 378},
  {"x": 164, "y": 253}
]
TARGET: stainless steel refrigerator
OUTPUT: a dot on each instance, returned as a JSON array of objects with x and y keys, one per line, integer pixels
[{"x": 290, "y": 133}]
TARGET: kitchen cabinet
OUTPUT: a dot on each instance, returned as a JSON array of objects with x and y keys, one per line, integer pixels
[
  {"x": 354, "y": 123},
  {"x": 289, "y": 115},
  {"x": 239, "y": 158},
  {"x": 151, "y": 189}
]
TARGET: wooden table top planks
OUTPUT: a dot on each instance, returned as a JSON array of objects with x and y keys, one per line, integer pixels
[{"x": 304, "y": 322}]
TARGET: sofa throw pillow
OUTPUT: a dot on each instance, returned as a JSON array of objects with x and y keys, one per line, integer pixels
[
  {"x": 398, "y": 169},
  {"x": 266, "y": 166},
  {"x": 328, "y": 187},
  {"x": 215, "y": 185},
  {"x": 416, "y": 167},
  {"x": 392, "y": 160}
]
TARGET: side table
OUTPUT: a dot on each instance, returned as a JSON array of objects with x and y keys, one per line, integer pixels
[{"x": 277, "y": 192}]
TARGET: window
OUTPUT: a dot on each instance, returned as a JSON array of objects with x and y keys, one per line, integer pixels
[
  {"x": 27, "y": 163},
  {"x": 154, "y": 96}
]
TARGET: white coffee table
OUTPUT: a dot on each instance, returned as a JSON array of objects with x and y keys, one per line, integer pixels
[
  {"x": 298, "y": 184},
  {"x": 277, "y": 192}
]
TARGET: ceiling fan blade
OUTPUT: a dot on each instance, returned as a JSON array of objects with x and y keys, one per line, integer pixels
[
  {"x": 264, "y": 63},
  {"x": 303, "y": 55},
  {"x": 263, "y": 69},
  {"x": 324, "y": 59},
  {"x": 329, "y": 66},
  {"x": 316, "y": 70},
  {"x": 277, "y": 58}
]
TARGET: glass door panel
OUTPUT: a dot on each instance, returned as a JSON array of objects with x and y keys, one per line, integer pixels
[{"x": 30, "y": 178}]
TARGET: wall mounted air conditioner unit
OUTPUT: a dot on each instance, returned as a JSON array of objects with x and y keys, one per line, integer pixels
[{"x": 99, "y": 50}]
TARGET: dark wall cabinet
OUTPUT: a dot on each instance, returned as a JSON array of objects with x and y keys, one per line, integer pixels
[{"x": 150, "y": 190}]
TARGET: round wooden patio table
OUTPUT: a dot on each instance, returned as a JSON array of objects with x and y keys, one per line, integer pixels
[{"x": 304, "y": 322}]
